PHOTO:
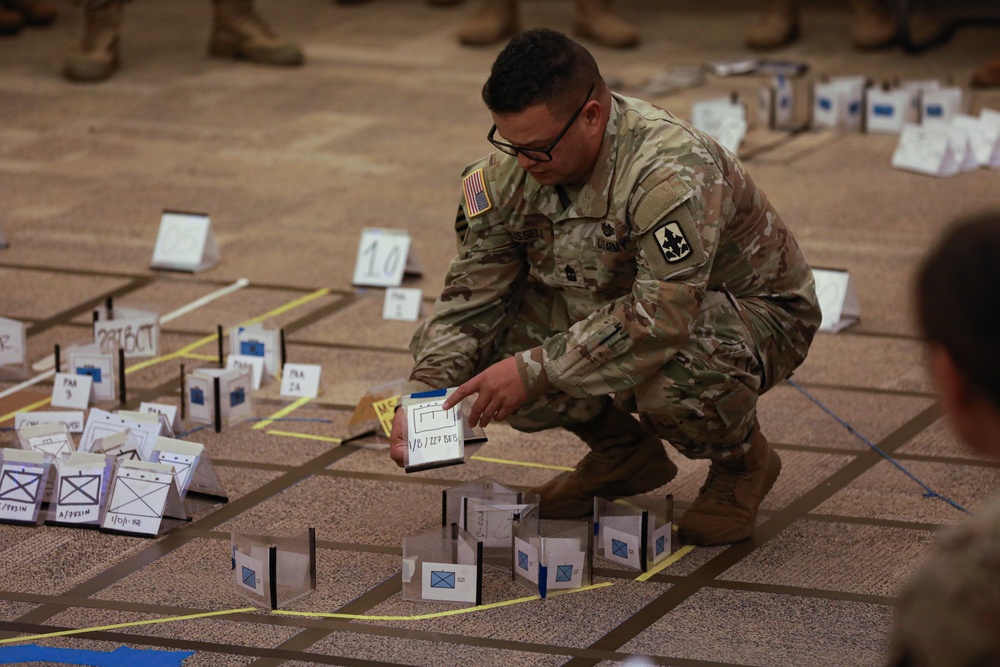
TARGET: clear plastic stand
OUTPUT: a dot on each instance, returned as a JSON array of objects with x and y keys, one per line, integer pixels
[
  {"x": 435, "y": 437},
  {"x": 100, "y": 365},
  {"x": 219, "y": 396},
  {"x": 484, "y": 488},
  {"x": 634, "y": 532},
  {"x": 491, "y": 522},
  {"x": 81, "y": 490},
  {"x": 258, "y": 340},
  {"x": 272, "y": 571},
  {"x": 552, "y": 555},
  {"x": 443, "y": 565},
  {"x": 22, "y": 485},
  {"x": 183, "y": 456}
]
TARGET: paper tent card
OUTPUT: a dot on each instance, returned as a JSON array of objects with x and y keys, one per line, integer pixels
[{"x": 185, "y": 242}]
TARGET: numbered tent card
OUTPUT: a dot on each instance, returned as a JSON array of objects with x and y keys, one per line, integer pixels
[
  {"x": 402, "y": 303},
  {"x": 71, "y": 391},
  {"x": 72, "y": 420},
  {"x": 838, "y": 300},
  {"x": 381, "y": 257},
  {"x": 434, "y": 437},
  {"x": 185, "y": 242},
  {"x": 134, "y": 331},
  {"x": 13, "y": 346},
  {"x": 300, "y": 380}
]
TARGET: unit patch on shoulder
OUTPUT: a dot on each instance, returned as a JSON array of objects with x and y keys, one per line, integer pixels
[
  {"x": 477, "y": 200},
  {"x": 672, "y": 242}
]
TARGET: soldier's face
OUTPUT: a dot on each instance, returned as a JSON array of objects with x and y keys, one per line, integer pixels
[{"x": 574, "y": 155}]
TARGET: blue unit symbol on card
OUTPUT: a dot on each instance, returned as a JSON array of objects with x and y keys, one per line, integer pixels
[
  {"x": 91, "y": 371},
  {"x": 884, "y": 109},
  {"x": 442, "y": 579},
  {"x": 237, "y": 396},
  {"x": 522, "y": 560},
  {"x": 619, "y": 548},
  {"x": 564, "y": 573},
  {"x": 825, "y": 103},
  {"x": 252, "y": 348},
  {"x": 197, "y": 396},
  {"x": 249, "y": 577},
  {"x": 934, "y": 111},
  {"x": 661, "y": 544},
  {"x": 854, "y": 107}
]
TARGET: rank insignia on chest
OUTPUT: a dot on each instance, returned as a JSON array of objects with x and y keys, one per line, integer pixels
[
  {"x": 673, "y": 244},
  {"x": 477, "y": 200}
]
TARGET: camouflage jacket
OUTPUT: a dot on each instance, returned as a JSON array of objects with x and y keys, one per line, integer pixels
[{"x": 666, "y": 215}]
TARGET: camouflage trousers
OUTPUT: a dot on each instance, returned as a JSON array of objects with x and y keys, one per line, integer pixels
[{"x": 704, "y": 401}]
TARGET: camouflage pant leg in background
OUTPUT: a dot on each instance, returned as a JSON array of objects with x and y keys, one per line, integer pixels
[
  {"x": 704, "y": 402},
  {"x": 94, "y": 4}
]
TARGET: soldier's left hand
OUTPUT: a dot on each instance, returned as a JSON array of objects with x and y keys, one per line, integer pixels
[{"x": 499, "y": 393}]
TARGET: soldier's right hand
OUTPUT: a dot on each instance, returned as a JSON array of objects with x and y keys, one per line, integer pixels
[{"x": 397, "y": 445}]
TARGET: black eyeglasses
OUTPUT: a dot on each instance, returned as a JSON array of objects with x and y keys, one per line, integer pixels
[{"x": 537, "y": 154}]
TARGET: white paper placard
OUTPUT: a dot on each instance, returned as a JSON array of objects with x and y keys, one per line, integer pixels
[
  {"x": 837, "y": 103},
  {"x": 254, "y": 366},
  {"x": 102, "y": 424},
  {"x": 298, "y": 380},
  {"x": 141, "y": 494},
  {"x": 22, "y": 484},
  {"x": 941, "y": 104},
  {"x": 402, "y": 303},
  {"x": 200, "y": 398},
  {"x": 47, "y": 440},
  {"x": 491, "y": 524},
  {"x": 80, "y": 489},
  {"x": 171, "y": 412},
  {"x": 526, "y": 560},
  {"x": 661, "y": 542},
  {"x": 256, "y": 341},
  {"x": 185, "y": 242},
  {"x": 725, "y": 121},
  {"x": 984, "y": 139},
  {"x": 433, "y": 434},
  {"x": 837, "y": 299},
  {"x": 12, "y": 342},
  {"x": 71, "y": 391},
  {"x": 137, "y": 334},
  {"x": 961, "y": 147},
  {"x": 564, "y": 569},
  {"x": 234, "y": 391},
  {"x": 100, "y": 367},
  {"x": 249, "y": 572},
  {"x": 71, "y": 420},
  {"x": 620, "y": 546},
  {"x": 182, "y": 456},
  {"x": 449, "y": 582},
  {"x": 888, "y": 110},
  {"x": 925, "y": 150},
  {"x": 381, "y": 257}
]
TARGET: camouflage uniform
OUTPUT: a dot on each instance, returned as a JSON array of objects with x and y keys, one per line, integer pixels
[
  {"x": 667, "y": 281},
  {"x": 949, "y": 614}
]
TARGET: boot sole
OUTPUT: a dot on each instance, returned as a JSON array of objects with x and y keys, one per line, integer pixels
[{"x": 736, "y": 533}]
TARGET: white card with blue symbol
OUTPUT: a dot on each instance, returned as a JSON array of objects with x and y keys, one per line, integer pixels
[
  {"x": 660, "y": 542},
  {"x": 620, "y": 546},
  {"x": 200, "y": 399},
  {"x": 256, "y": 341},
  {"x": 249, "y": 573},
  {"x": 526, "y": 560},
  {"x": 448, "y": 582},
  {"x": 564, "y": 569}
]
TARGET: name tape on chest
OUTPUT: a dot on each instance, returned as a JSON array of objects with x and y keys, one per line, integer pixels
[
  {"x": 477, "y": 200},
  {"x": 672, "y": 242}
]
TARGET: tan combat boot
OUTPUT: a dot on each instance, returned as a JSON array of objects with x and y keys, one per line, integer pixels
[
  {"x": 625, "y": 460},
  {"x": 597, "y": 21},
  {"x": 726, "y": 508},
  {"x": 778, "y": 25},
  {"x": 33, "y": 12},
  {"x": 239, "y": 32},
  {"x": 10, "y": 22},
  {"x": 987, "y": 75},
  {"x": 97, "y": 57},
  {"x": 871, "y": 26},
  {"x": 495, "y": 20}
]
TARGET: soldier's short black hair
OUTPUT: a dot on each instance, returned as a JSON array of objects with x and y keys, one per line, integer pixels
[
  {"x": 540, "y": 67},
  {"x": 956, "y": 300}
]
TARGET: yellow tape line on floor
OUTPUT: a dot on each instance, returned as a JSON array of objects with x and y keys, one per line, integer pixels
[
  {"x": 306, "y": 436},
  {"x": 170, "y": 619},
  {"x": 439, "y": 614},
  {"x": 288, "y": 409},
  {"x": 667, "y": 562}
]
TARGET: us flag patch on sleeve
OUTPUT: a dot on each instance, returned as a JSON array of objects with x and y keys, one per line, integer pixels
[{"x": 476, "y": 198}]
